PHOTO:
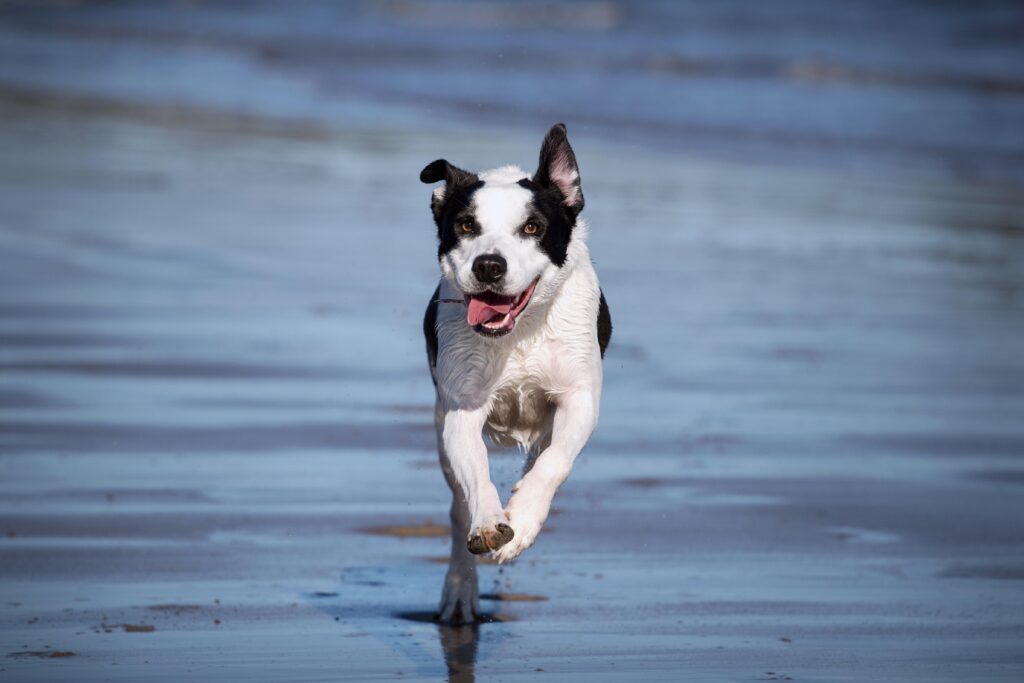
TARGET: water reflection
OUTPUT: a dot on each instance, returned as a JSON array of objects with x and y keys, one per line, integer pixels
[
  {"x": 459, "y": 644},
  {"x": 458, "y": 641}
]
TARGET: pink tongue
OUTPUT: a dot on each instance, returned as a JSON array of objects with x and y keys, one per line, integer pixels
[{"x": 479, "y": 312}]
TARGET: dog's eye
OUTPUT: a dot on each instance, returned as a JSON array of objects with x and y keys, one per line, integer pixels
[
  {"x": 465, "y": 227},
  {"x": 531, "y": 229}
]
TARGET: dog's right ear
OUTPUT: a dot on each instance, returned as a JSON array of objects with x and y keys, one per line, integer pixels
[
  {"x": 453, "y": 177},
  {"x": 442, "y": 170}
]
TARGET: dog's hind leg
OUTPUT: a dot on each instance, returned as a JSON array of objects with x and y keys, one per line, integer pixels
[{"x": 459, "y": 599}]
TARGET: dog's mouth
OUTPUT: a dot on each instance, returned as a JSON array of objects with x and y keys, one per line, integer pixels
[{"x": 495, "y": 314}]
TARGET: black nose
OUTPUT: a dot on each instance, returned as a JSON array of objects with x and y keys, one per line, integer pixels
[{"x": 489, "y": 268}]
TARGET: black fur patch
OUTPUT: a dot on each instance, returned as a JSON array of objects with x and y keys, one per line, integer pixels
[
  {"x": 458, "y": 195},
  {"x": 604, "y": 325},
  {"x": 557, "y": 219},
  {"x": 556, "y": 151},
  {"x": 455, "y": 206},
  {"x": 430, "y": 329},
  {"x": 549, "y": 200}
]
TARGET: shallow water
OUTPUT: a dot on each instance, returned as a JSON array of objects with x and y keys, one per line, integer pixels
[{"x": 215, "y": 415}]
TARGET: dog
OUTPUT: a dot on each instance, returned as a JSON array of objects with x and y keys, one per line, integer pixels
[{"x": 515, "y": 332}]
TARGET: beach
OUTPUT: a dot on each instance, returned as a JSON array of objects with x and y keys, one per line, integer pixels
[{"x": 217, "y": 453}]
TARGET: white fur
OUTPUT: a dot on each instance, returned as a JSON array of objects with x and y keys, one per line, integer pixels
[{"x": 539, "y": 386}]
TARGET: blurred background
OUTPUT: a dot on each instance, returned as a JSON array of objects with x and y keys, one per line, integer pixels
[{"x": 216, "y": 449}]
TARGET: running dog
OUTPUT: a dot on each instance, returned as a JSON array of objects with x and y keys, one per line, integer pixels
[{"x": 515, "y": 332}]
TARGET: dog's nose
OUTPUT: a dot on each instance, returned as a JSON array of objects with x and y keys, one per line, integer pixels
[{"x": 489, "y": 268}]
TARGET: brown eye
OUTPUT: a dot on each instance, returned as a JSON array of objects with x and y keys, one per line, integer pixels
[
  {"x": 530, "y": 229},
  {"x": 464, "y": 227}
]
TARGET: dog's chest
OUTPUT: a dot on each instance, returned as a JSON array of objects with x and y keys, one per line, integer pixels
[{"x": 520, "y": 407}]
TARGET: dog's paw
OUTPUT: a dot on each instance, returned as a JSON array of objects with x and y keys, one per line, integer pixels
[
  {"x": 523, "y": 540},
  {"x": 526, "y": 512},
  {"x": 460, "y": 602},
  {"x": 526, "y": 531},
  {"x": 488, "y": 537}
]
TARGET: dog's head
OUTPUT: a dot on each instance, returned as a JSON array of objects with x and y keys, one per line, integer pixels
[{"x": 504, "y": 236}]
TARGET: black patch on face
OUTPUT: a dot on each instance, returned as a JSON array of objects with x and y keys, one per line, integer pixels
[
  {"x": 458, "y": 195},
  {"x": 556, "y": 219},
  {"x": 604, "y": 325},
  {"x": 456, "y": 206}
]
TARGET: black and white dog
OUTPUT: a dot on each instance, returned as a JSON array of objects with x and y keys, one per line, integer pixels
[{"x": 515, "y": 335}]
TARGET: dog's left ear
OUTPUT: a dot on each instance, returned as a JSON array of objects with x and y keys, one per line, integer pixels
[
  {"x": 453, "y": 176},
  {"x": 558, "y": 169}
]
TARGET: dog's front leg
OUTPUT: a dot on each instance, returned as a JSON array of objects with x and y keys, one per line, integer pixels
[
  {"x": 463, "y": 441},
  {"x": 460, "y": 598},
  {"x": 575, "y": 419}
]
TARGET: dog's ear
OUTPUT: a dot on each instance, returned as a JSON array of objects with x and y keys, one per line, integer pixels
[
  {"x": 558, "y": 169},
  {"x": 453, "y": 177}
]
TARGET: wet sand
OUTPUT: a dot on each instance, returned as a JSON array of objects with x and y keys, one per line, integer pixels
[{"x": 216, "y": 450}]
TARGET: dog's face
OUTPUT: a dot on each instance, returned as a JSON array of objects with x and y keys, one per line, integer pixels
[{"x": 504, "y": 236}]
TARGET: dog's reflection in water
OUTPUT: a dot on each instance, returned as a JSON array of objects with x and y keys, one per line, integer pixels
[
  {"x": 458, "y": 641},
  {"x": 459, "y": 644}
]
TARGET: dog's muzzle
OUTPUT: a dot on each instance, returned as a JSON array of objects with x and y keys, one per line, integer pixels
[{"x": 493, "y": 314}]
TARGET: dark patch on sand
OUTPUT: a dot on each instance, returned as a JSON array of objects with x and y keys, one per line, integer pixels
[
  {"x": 176, "y": 610},
  {"x": 411, "y": 409},
  {"x": 58, "y": 312},
  {"x": 87, "y": 437},
  {"x": 983, "y": 571},
  {"x": 43, "y": 654},
  {"x": 171, "y": 115},
  {"x": 998, "y": 476},
  {"x": 424, "y": 465},
  {"x": 175, "y": 369},
  {"x": 682, "y": 444},
  {"x": 943, "y": 445},
  {"x": 324, "y": 594},
  {"x": 20, "y": 398},
  {"x": 90, "y": 179},
  {"x": 513, "y": 597},
  {"x": 113, "y": 495},
  {"x": 644, "y": 482},
  {"x": 427, "y": 529},
  {"x": 64, "y": 340},
  {"x": 480, "y": 559},
  {"x": 104, "y": 627},
  {"x": 270, "y": 404},
  {"x": 138, "y": 628}
]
